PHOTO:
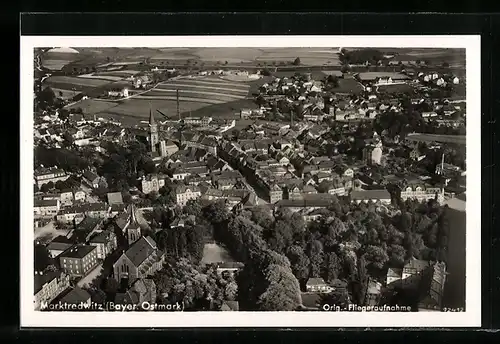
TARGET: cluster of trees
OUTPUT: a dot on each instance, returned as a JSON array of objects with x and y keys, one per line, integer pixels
[
  {"x": 361, "y": 56},
  {"x": 267, "y": 281},
  {"x": 195, "y": 287},
  {"x": 68, "y": 160},
  {"x": 60, "y": 185}
]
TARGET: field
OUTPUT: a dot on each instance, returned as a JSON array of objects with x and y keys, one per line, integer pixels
[
  {"x": 348, "y": 86},
  {"x": 241, "y": 56},
  {"x": 101, "y": 77},
  {"x": 77, "y": 81},
  {"x": 209, "y": 90}
]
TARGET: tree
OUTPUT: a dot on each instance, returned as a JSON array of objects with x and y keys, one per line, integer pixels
[
  {"x": 397, "y": 255},
  {"x": 111, "y": 285},
  {"x": 231, "y": 291},
  {"x": 299, "y": 262},
  {"x": 282, "y": 292},
  {"x": 41, "y": 257},
  {"x": 296, "y": 62},
  {"x": 332, "y": 265},
  {"x": 265, "y": 72},
  {"x": 315, "y": 254},
  {"x": 376, "y": 256}
]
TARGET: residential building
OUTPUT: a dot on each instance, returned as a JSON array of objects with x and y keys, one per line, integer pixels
[
  {"x": 48, "y": 285},
  {"x": 202, "y": 121},
  {"x": 318, "y": 285},
  {"x": 431, "y": 288},
  {"x": 105, "y": 242},
  {"x": 373, "y": 293},
  {"x": 372, "y": 154},
  {"x": 275, "y": 193},
  {"x": 55, "y": 248},
  {"x": 74, "y": 296},
  {"x": 86, "y": 228},
  {"x": 78, "y": 260},
  {"x": 394, "y": 277},
  {"x": 46, "y": 207},
  {"x": 142, "y": 290},
  {"x": 142, "y": 259},
  {"x": 92, "y": 179},
  {"x": 79, "y": 195},
  {"x": 184, "y": 193},
  {"x": 167, "y": 148},
  {"x": 382, "y": 196},
  {"x": 152, "y": 183},
  {"x": 66, "y": 197},
  {"x": 231, "y": 267},
  {"x": 421, "y": 192},
  {"x": 46, "y": 175}
]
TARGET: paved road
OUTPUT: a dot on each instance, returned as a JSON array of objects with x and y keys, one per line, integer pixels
[
  {"x": 454, "y": 290},
  {"x": 90, "y": 276}
]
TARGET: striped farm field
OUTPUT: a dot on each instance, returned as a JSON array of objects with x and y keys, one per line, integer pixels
[
  {"x": 75, "y": 81},
  {"x": 118, "y": 73},
  {"x": 101, "y": 77},
  {"x": 210, "y": 90},
  {"x": 193, "y": 96},
  {"x": 205, "y": 89},
  {"x": 181, "y": 99}
]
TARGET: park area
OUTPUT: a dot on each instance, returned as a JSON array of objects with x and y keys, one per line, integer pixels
[{"x": 215, "y": 253}]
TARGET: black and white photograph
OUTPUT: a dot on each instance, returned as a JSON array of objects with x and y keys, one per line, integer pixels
[{"x": 295, "y": 181}]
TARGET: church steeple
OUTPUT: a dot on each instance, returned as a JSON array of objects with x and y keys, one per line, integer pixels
[
  {"x": 153, "y": 130},
  {"x": 151, "y": 116}
]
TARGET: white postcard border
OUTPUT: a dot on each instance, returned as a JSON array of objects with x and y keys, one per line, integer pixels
[{"x": 470, "y": 318}]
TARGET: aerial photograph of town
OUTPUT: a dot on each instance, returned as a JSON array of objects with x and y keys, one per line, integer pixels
[{"x": 249, "y": 179}]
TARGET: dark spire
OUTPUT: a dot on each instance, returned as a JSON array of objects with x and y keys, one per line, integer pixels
[{"x": 151, "y": 116}]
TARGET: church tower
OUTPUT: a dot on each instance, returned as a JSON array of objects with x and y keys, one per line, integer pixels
[
  {"x": 153, "y": 131},
  {"x": 133, "y": 230}
]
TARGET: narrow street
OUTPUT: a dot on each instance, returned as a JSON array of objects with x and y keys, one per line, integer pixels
[{"x": 90, "y": 276}]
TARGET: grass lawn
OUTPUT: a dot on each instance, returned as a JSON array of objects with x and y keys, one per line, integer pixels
[
  {"x": 348, "y": 86},
  {"x": 226, "y": 110},
  {"x": 214, "y": 253}
]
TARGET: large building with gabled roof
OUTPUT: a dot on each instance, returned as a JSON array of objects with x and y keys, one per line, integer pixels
[{"x": 143, "y": 258}]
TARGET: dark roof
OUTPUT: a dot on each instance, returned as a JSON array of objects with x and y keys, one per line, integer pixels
[
  {"x": 78, "y": 251},
  {"x": 74, "y": 295},
  {"x": 46, "y": 203},
  {"x": 101, "y": 237},
  {"x": 58, "y": 246},
  {"x": 44, "y": 278},
  {"x": 91, "y": 176},
  {"x": 370, "y": 194},
  {"x": 141, "y": 250}
]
